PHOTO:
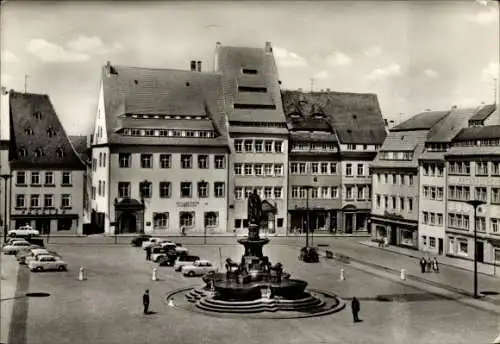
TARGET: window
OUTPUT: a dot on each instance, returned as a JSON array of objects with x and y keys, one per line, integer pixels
[
  {"x": 426, "y": 192},
  {"x": 302, "y": 168},
  {"x": 123, "y": 189},
  {"x": 59, "y": 153},
  {"x": 481, "y": 193},
  {"x": 351, "y": 147},
  {"x": 279, "y": 222},
  {"x": 440, "y": 193},
  {"x": 93, "y": 192},
  {"x": 65, "y": 201},
  {"x": 203, "y": 161},
  {"x": 248, "y": 145},
  {"x": 495, "y": 225},
  {"x": 333, "y": 168},
  {"x": 20, "y": 178},
  {"x": 410, "y": 181},
  {"x": 386, "y": 202},
  {"x": 259, "y": 145},
  {"x": 348, "y": 170},
  {"x": 100, "y": 159},
  {"x": 220, "y": 162},
  {"x": 28, "y": 131},
  {"x": 37, "y": 115},
  {"x": 268, "y": 146},
  {"x": 35, "y": 201},
  {"x": 481, "y": 224},
  {"x": 248, "y": 191},
  {"x": 99, "y": 189},
  {"x": 463, "y": 248},
  {"x": 160, "y": 220},
  {"x": 238, "y": 169},
  {"x": 278, "y": 192},
  {"x": 146, "y": 160},
  {"x": 238, "y": 146},
  {"x": 248, "y": 169},
  {"x": 165, "y": 162},
  {"x": 314, "y": 167},
  {"x": 378, "y": 201},
  {"x": 432, "y": 242},
  {"x": 186, "y": 219},
  {"x": 104, "y": 188},
  {"x": 424, "y": 240},
  {"x": 278, "y": 146},
  {"x": 425, "y": 217},
  {"x": 145, "y": 189},
  {"x": 495, "y": 168},
  {"x": 48, "y": 201},
  {"x": 22, "y": 152},
  {"x": 211, "y": 219},
  {"x": 219, "y": 189},
  {"x": 394, "y": 204},
  {"x": 104, "y": 160},
  {"x": 238, "y": 192},
  {"x": 278, "y": 169},
  {"x": 20, "y": 201},
  {"x": 495, "y": 195},
  {"x": 202, "y": 189},
  {"x": 258, "y": 169},
  {"x": 268, "y": 169},
  {"x": 402, "y": 203},
  {"x": 165, "y": 189},
  {"x": 49, "y": 178},
  {"x": 35, "y": 178},
  {"x": 410, "y": 204},
  {"x": 186, "y": 161},
  {"x": 51, "y": 132},
  {"x": 349, "y": 192},
  {"x": 237, "y": 223},
  {"x": 361, "y": 170},
  {"x": 481, "y": 168},
  {"x": 268, "y": 192},
  {"x": 185, "y": 189},
  {"x": 66, "y": 178}
]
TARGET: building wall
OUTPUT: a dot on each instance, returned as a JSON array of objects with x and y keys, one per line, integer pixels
[
  {"x": 101, "y": 201},
  {"x": 175, "y": 175},
  {"x": 4, "y": 151},
  {"x": 358, "y": 180},
  {"x": 238, "y": 207}
]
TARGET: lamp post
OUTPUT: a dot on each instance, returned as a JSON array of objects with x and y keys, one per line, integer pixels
[
  {"x": 308, "y": 187},
  {"x": 475, "y": 203},
  {"x": 6, "y": 178}
]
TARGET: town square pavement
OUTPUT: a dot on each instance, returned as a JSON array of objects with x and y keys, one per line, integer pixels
[{"x": 106, "y": 308}]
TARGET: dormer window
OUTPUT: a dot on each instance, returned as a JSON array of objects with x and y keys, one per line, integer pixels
[
  {"x": 37, "y": 115},
  {"x": 38, "y": 152},
  {"x": 249, "y": 71},
  {"x": 22, "y": 152},
  {"x": 28, "y": 131},
  {"x": 59, "y": 152},
  {"x": 295, "y": 115},
  {"x": 318, "y": 115},
  {"x": 51, "y": 132}
]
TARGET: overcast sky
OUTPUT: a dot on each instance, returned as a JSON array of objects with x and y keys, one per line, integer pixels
[{"x": 414, "y": 55}]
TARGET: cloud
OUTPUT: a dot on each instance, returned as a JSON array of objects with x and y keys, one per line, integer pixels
[
  {"x": 490, "y": 72},
  {"x": 50, "y": 52},
  {"x": 321, "y": 75},
  {"x": 431, "y": 73},
  {"x": 393, "y": 70},
  {"x": 92, "y": 45},
  {"x": 338, "y": 59},
  {"x": 373, "y": 51},
  {"x": 288, "y": 58},
  {"x": 483, "y": 17},
  {"x": 9, "y": 57}
]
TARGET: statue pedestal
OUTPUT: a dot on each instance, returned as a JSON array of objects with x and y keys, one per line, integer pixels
[{"x": 253, "y": 231}]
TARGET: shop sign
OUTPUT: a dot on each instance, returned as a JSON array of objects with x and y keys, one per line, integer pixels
[{"x": 187, "y": 204}]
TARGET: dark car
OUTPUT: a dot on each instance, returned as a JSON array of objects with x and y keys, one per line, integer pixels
[
  {"x": 309, "y": 255},
  {"x": 138, "y": 240},
  {"x": 168, "y": 260}
]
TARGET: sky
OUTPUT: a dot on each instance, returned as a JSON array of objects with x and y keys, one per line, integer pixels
[{"x": 414, "y": 55}]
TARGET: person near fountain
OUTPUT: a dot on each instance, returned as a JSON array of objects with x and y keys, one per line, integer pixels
[
  {"x": 145, "y": 301},
  {"x": 355, "y": 307}
]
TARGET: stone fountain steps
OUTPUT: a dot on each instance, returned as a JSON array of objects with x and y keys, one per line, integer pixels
[{"x": 194, "y": 295}]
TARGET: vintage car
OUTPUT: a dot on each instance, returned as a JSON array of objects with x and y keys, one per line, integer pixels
[
  {"x": 25, "y": 254},
  {"x": 183, "y": 260},
  {"x": 309, "y": 254},
  {"x": 23, "y": 231},
  {"x": 46, "y": 262},
  {"x": 36, "y": 252},
  {"x": 198, "y": 268},
  {"x": 154, "y": 242},
  {"x": 14, "y": 247},
  {"x": 138, "y": 240}
]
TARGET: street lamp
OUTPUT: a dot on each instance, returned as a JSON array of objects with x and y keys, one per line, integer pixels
[
  {"x": 307, "y": 187},
  {"x": 5, "y": 177},
  {"x": 475, "y": 203}
]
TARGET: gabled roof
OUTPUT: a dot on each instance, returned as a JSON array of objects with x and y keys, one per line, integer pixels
[
  {"x": 422, "y": 121},
  {"x": 478, "y": 133},
  {"x": 412, "y": 140},
  {"x": 149, "y": 91},
  {"x": 257, "y": 106},
  {"x": 445, "y": 130},
  {"x": 484, "y": 112},
  {"x": 33, "y": 118},
  {"x": 355, "y": 117}
]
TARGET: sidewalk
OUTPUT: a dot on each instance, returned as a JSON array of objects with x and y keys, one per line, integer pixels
[
  {"x": 8, "y": 282},
  {"x": 443, "y": 260}
]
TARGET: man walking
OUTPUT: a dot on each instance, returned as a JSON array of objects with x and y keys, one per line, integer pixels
[
  {"x": 435, "y": 265},
  {"x": 148, "y": 252},
  {"x": 355, "y": 307},
  {"x": 422, "y": 264},
  {"x": 145, "y": 301}
]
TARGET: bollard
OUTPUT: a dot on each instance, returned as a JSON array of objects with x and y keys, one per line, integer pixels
[
  {"x": 342, "y": 277},
  {"x": 81, "y": 274},
  {"x": 155, "y": 274}
]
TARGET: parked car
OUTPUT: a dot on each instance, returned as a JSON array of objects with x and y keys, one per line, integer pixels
[
  {"x": 12, "y": 240},
  {"x": 46, "y": 262},
  {"x": 23, "y": 231},
  {"x": 138, "y": 240},
  {"x": 168, "y": 260},
  {"x": 183, "y": 260},
  {"x": 198, "y": 268},
  {"x": 15, "y": 246},
  {"x": 24, "y": 253},
  {"x": 153, "y": 241},
  {"x": 309, "y": 254},
  {"x": 35, "y": 240},
  {"x": 157, "y": 252},
  {"x": 181, "y": 249},
  {"x": 35, "y": 253}
]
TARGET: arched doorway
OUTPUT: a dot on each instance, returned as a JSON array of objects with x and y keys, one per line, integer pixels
[{"x": 127, "y": 223}]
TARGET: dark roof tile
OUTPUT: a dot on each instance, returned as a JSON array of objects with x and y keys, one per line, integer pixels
[
  {"x": 445, "y": 130},
  {"x": 422, "y": 121},
  {"x": 484, "y": 112},
  {"x": 478, "y": 133}
]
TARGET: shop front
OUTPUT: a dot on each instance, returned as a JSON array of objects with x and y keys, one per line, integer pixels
[
  {"x": 399, "y": 232},
  {"x": 320, "y": 220}
]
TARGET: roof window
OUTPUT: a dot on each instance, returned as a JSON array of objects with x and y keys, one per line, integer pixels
[
  {"x": 37, "y": 115},
  {"x": 252, "y": 89},
  {"x": 38, "y": 152},
  {"x": 51, "y": 132},
  {"x": 249, "y": 71},
  {"x": 59, "y": 152},
  {"x": 28, "y": 131},
  {"x": 22, "y": 152}
]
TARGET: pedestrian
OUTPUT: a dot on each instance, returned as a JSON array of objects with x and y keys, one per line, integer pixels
[
  {"x": 435, "y": 265},
  {"x": 145, "y": 301},
  {"x": 183, "y": 230},
  {"x": 148, "y": 252},
  {"x": 355, "y": 307},
  {"x": 422, "y": 265},
  {"x": 429, "y": 264}
]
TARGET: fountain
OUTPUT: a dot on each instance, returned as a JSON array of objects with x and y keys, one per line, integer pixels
[{"x": 254, "y": 285}]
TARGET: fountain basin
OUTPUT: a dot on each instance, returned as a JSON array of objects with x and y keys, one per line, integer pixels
[{"x": 290, "y": 289}]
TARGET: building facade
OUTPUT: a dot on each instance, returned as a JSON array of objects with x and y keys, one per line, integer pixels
[
  {"x": 47, "y": 172},
  {"x": 473, "y": 173},
  {"x": 258, "y": 134}
]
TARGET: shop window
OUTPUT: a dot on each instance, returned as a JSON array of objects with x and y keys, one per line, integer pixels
[
  {"x": 160, "y": 220},
  {"x": 211, "y": 219},
  {"x": 279, "y": 222},
  {"x": 186, "y": 219},
  {"x": 64, "y": 224},
  {"x": 463, "y": 247},
  {"x": 432, "y": 242},
  {"x": 237, "y": 223}
]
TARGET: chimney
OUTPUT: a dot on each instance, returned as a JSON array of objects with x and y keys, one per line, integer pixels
[
  {"x": 108, "y": 68},
  {"x": 300, "y": 90},
  {"x": 193, "y": 66},
  {"x": 268, "y": 49},
  {"x": 198, "y": 66},
  {"x": 216, "y": 56}
]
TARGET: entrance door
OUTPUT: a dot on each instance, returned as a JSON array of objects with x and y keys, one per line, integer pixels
[
  {"x": 43, "y": 226},
  {"x": 128, "y": 223},
  {"x": 348, "y": 223},
  {"x": 440, "y": 246},
  {"x": 480, "y": 251},
  {"x": 394, "y": 236}
]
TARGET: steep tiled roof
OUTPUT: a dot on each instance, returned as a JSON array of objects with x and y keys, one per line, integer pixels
[
  {"x": 473, "y": 150},
  {"x": 355, "y": 117},
  {"x": 412, "y": 140},
  {"x": 422, "y": 121},
  {"x": 446, "y": 129},
  {"x": 231, "y": 62},
  {"x": 80, "y": 143},
  {"x": 478, "y": 133},
  {"x": 148, "y": 91},
  {"x": 484, "y": 112},
  {"x": 301, "y": 136},
  {"x": 35, "y": 128}
]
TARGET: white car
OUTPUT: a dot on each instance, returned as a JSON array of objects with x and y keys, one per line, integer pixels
[
  {"x": 153, "y": 242},
  {"x": 200, "y": 267},
  {"x": 35, "y": 253},
  {"x": 46, "y": 262},
  {"x": 15, "y": 247},
  {"x": 23, "y": 231},
  {"x": 184, "y": 260},
  {"x": 157, "y": 252}
]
